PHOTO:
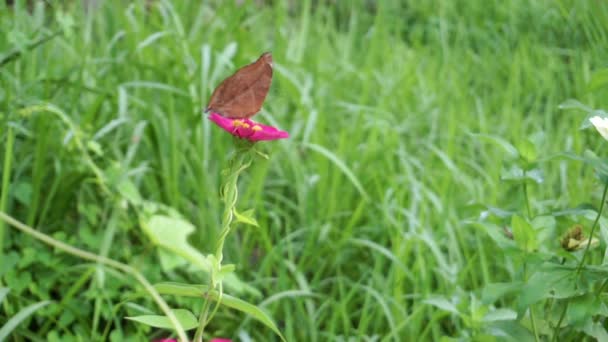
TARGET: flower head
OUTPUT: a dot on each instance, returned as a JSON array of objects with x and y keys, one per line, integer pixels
[
  {"x": 247, "y": 129},
  {"x": 601, "y": 124},
  {"x": 212, "y": 340},
  {"x": 574, "y": 240}
]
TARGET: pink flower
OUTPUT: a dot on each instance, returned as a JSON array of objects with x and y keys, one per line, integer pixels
[
  {"x": 247, "y": 129},
  {"x": 212, "y": 340}
]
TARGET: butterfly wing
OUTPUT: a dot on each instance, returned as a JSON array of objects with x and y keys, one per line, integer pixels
[{"x": 242, "y": 94}]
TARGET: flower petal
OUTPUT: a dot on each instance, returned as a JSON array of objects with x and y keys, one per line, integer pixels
[
  {"x": 247, "y": 129},
  {"x": 601, "y": 124}
]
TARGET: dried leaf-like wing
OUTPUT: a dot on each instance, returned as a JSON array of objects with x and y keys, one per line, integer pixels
[{"x": 242, "y": 94}]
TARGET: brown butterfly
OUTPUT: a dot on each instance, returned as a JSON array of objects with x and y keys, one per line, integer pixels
[{"x": 242, "y": 94}]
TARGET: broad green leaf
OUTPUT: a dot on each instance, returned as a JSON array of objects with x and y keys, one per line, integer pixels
[
  {"x": 443, "y": 304},
  {"x": 548, "y": 283},
  {"x": 596, "y": 330},
  {"x": 252, "y": 310},
  {"x": 24, "y": 313},
  {"x": 517, "y": 174},
  {"x": 500, "y": 315},
  {"x": 129, "y": 191},
  {"x": 170, "y": 261},
  {"x": 186, "y": 319},
  {"x": 494, "y": 291},
  {"x": 581, "y": 209},
  {"x": 498, "y": 235},
  {"x": 535, "y": 175},
  {"x": 199, "y": 291},
  {"x": 498, "y": 212},
  {"x": 246, "y": 217},
  {"x": 582, "y": 309},
  {"x": 527, "y": 151},
  {"x": 172, "y": 234},
  {"x": 523, "y": 234},
  {"x": 509, "y": 331},
  {"x": 545, "y": 229},
  {"x": 227, "y": 269}
]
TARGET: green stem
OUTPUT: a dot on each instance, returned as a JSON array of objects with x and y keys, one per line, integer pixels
[
  {"x": 6, "y": 178},
  {"x": 202, "y": 321},
  {"x": 527, "y": 200},
  {"x": 559, "y": 322},
  {"x": 102, "y": 260},
  {"x": 579, "y": 268},
  {"x": 525, "y": 185},
  {"x": 595, "y": 224},
  {"x": 533, "y": 323},
  {"x": 229, "y": 194}
]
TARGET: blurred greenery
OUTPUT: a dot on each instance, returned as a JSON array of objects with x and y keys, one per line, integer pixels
[{"x": 401, "y": 116}]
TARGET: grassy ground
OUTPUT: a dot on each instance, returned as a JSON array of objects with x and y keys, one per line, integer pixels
[{"x": 363, "y": 212}]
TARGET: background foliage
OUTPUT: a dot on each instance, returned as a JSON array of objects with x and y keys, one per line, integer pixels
[{"x": 368, "y": 216}]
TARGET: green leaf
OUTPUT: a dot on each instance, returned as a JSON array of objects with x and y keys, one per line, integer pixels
[
  {"x": 498, "y": 235},
  {"x": 528, "y": 151},
  {"x": 24, "y": 313},
  {"x": 548, "y": 282},
  {"x": 517, "y": 174},
  {"x": 581, "y": 209},
  {"x": 598, "y": 163},
  {"x": 170, "y": 261},
  {"x": 172, "y": 234},
  {"x": 182, "y": 290},
  {"x": 596, "y": 330},
  {"x": 199, "y": 291},
  {"x": 23, "y": 192},
  {"x": 245, "y": 217},
  {"x": 252, "y": 310},
  {"x": 598, "y": 80},
  {"x": 227, "y": 269},
  {"x": 510, "y": 331},
  {"x": 129, "y": 191},
  {"x": 443, "y": 304},
  {"x": 545, "y": 228},
  {"x": 582, "y": 309},
  {"x": 523, "y": 234},
  {"x": 574, "y": 104},
  {"x": 3, "y": 292},
  {"x": 95, "y": 147},
  {"x": 494, "y": 291},
  {"x": 186, "y": 319},
  {"x": 500, "y": 315}
]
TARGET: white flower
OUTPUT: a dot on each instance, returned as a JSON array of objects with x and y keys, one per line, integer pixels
[{"x": 601, "y": 124}]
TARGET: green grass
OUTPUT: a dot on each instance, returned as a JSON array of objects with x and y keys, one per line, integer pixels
[{"x": 364, "y": 212}]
